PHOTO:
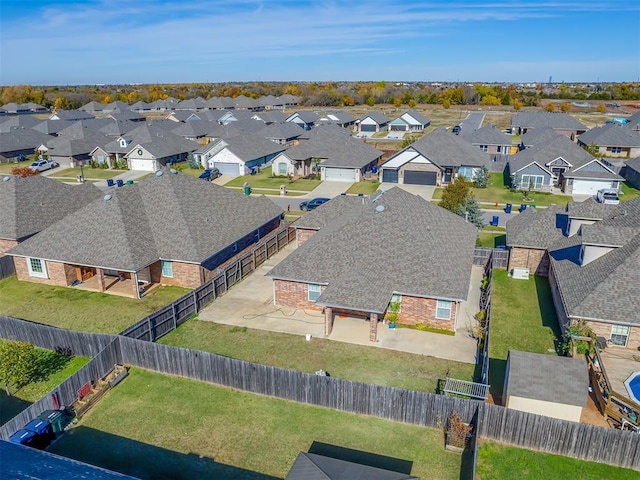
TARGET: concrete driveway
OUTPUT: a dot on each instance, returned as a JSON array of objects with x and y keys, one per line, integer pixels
[
  {"x": 328, "y": 189},
  {"x": 250, "y": 304},
  {"x": 424, "y": 191}
]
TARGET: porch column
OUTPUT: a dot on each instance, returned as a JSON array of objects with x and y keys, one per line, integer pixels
[
  {"x": 328, "y": 321},
  {"x": 102, "y": 283},
  {"x": 135, "y": 286},
  {"x": 373, "y": 328}
]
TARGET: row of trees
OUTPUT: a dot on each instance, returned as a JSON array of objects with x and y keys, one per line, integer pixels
[{"x": 335, "y": 94}]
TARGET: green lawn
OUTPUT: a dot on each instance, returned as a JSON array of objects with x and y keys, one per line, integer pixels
[
  {"x": 156, "y": 426},
  {"x": 629, "y": 192},
  {"x": 6, "y": 167},
  {"x": 342, "y": 360},
  {"x": 78, "y": 309},
  {"x": 499, "y": 462},
  {"x": 366, "y": 187},
  {"x": 89, "y": 173},
  {"x": 522, "y": 318},
  {"x": 52, "y": 370},
  {"x": 265, "y": 180},
  {"x": 491, "y": 239}
]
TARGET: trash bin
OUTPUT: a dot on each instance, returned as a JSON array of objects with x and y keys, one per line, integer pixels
[
  {"x": 374, "y": 169},
  {"x": 109, "y": 182},
  {"x": 129, "y": 182},
  {"x": 23, "y": 437},
  {"x": 120, "y": 183},
  {"x": 56, "y": 419},
  {"x": 507, "y": 208},
  {"x": 495, "y": 220},
  {"x": 247, "y": 189},
  {"x": 43, "y": 431},
  {"x": 523, "y": 207}
]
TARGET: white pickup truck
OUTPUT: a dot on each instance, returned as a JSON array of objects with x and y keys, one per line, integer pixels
[{"x": 42, "y": 165}]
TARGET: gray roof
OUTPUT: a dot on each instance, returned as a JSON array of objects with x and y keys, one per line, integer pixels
[
  {"x": 118, "y": 128},
  {"x": 31, "y": 204},
  {"x": 590, "y": 209},
  {"x": 72, "y": 115},
  {"x": 634, "y": 164},
  {"x": 306, "y": 116},
  {"x": 126, "y": 115},
  {"x": 548, "y": 378},
  {"x": 281, "y": 131},
  {"x": 81, "y": 129},
  {"x": 327, "y": 213},
  {"x": 377, "y": 117},
  {"x": 539, "y": 228},
  {"x": 555, "y": 120},
  {"x": 22, "y": 140},
  {"x": 52, "y": 127},
  {"x": 417, "y": 116},
  {"x": 633, "y": 122},
  {"x": 543, "y": 153},
  {"x": 249, "y": 146},
  {"x": 538, "y": 136},
  {"x": 310, "y": 466},
  {"x": 172, "y": 217},
  {"x": 605, "y": 173},
  {"x": 271, "y": 116},
  {"x": 489, "y": 135},
  {"x": 18, "y": 122},
  {"x": 613, "y": 135},
  {"x": 398, "y": 242},
  {"x": 160, "y": 142},
  {"x": 342, "y": 117},
  {"x": 618, "y": 227},
  {"x": 70, "y": 147}
]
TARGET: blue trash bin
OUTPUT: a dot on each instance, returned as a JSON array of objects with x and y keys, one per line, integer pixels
[
  {"x": 23, "y": 437},
  {"x": 120, "y": 183},
  {"x": 523, "y": 207},
  {"x": 495, "y": 220},
  {"x": 43, "y": 431},
  {"x": 109, "y": 182},
  {"x": 507, "y": 208},
  {"x": 374, "y": 169}
]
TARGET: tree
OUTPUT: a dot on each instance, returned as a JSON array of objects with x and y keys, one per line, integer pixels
[
  {"x": 18, "y": 363},
  {"x": 565, "y": 107},
  {"x": 470, "y": 210},
  {"x": 192, "y": 161},
  {"x": 408, "y": 140},
  {"x": 517, "y": 104},
  {"x": 482, "y": 178},
  {"x": 455, "y": 194},
  {"x": 601, "y": 108},
  {"x": 490, "y": 100},
  {"x": 550, "y": 108},
  {"x": 24, "y": 172}
]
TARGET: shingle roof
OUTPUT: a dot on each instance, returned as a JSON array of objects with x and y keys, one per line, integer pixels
[
  {"x": 634, "y": 164},
  {"x": 548, "y": 378},
  {"x": 22, "y": 139},
  {"x": 281, "y": 131},
  {"x": 538, "y": 136},
  {"x": 327, "y": 213},
  {"x": 337, "y": 150},
  {"x": 18, "y": 122},
  {"x": 72, "y": 115},
  {"x": 377, "y": 117},
  {"x": 417, "y": 116},
  {"x": 543, "y": 153},
  {"x": 172, "y": 217},
  {"x": 590, "y": 209},
  {"x": 310, "y": 466},
  {"x": 399, "y": 242},
  {"x": 31, "y": 204},
  {"x": 555, "y": 120},
  {"x": 539, "y": 228},
  {"x": 489, "y": 135},
  {"x": 611, "y": 136},
  {"x": 306, "y": 116},
  {"x": 249, "y": 146},
  {"x": 618, "y": 227}
]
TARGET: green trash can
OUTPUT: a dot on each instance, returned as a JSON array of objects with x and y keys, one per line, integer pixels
[
  {"x": 55, "y": 418},
  {"x": 129, "y": 182},
  {"x": 247, "y": 189}
]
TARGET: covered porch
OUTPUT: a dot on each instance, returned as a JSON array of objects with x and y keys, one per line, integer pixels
[{"x": 113, "y": 282}]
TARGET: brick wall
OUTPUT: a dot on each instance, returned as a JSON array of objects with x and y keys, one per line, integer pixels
[
  {"x": 294, "y": 294},
  {"x": 304, "y": 234},
  {"x": 60, "y": 274},
  {"x": 536, "y": 260},
  {"x": 416, "y": 310},
  {"x": 6, "y": 245},
  {"x": 184, "y": 275},
  {"x": 602, "y": 329}
]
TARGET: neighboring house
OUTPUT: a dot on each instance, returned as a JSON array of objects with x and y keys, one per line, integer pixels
[
  {"x": 220, "y": 103},
  {"x": 141, "y": 107},
  {"x": 23, "y": 108},
  {"x": 372, "y": 122},
  {"x": 169, "y": 229},
  {"x": 410, "y": 121},
  {"x": 633, "y": 122},
  {"x": 435, "y": 159},
  {"x": 594, "y": 276},
  {"x": 339, "y": 118},
  {"x": 162, "y": 150},
  {"x": 336, "y": 156},
  {"x": 559, "y": 162},
  {"x": 632, "y": 172},
  {"x": 311, "y": 466},
  {"x": 126, "y": 115},
  {"x": 20, "y": 142},
  {"x": 71, "y": 115},
  {"x": 286, "y": 133},
  {"x": 73, "y": 148},
  {"x": 197, "y": 103},
  {"x": 182, "y": 116},
  {"x": 547, "y": 385},
  {"x": 396, "y": 248},
  {"x": 195, "y": 130},
  {"x": 240, "y": 154},
  {"x": 270, "y": 117},
  {"x": 18, "y": 122},
  {"x": 304, "y": 118},
  {"x": 242, "y": 102},
  {"x": 562, "y": 123},
  {"x": 613, "y": 140},
  {"x": 31, "y": 204},
  {"x": 492, "y": 140}
]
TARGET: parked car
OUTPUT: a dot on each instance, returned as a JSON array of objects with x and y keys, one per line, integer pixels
[
  {"x": 313, "y": 204},
  {"x": 42, "y": 165},
  {"x": 210, "y": 174},
  {"x": 456, "y": 129},
  {"x": 608, "y": 196}
]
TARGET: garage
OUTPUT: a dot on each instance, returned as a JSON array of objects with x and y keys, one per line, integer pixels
[
  {"x": 414, "y": 177},
  {"x": 144, "y": 165},
  {"x": 589, "y": 187},
  {"x": 227, "y": 168},
  {"x": 398, "y": 128},
  {"x": 340, "y": 174},
  {"x": 368, "y": 128},
  {"x": 389, "y": 176}
]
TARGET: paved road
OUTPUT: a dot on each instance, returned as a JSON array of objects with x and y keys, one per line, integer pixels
[{"x": 472, "y": 122}]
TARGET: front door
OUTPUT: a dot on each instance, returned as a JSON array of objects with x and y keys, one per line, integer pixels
[{"x": 448, "y": 173}]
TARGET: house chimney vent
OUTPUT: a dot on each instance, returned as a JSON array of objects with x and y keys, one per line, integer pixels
[{"x": 380, "y": 208}]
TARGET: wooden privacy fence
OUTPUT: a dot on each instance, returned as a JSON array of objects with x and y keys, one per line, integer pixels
[
  {"x": 7, "y": 268},
  {"x": 499, "y": 257},
  {"x": 168, "y": 318}
]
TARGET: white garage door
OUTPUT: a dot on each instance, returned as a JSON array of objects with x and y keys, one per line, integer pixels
[
  {"x": 228, "y": 168},
  {"x": 340, "y": 174},
  {"x": 589, "y": 187},
  {"x": 145, "y": 165}
]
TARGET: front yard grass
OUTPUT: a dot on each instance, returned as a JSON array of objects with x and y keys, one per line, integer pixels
[
  {"x": 342, "y": 360},
  {"x": 366, "y": 187},
  {"x": 89, "y": 173},
  {"x": 522, "y": 318},
  {"x": 157, "y": 426},
  {"x": 5, "y": 168},
  {"x": 81, "y": 310},
  {"x": 629, "y": 192},
  {"x": 497, "y": 462},
  {"x": 264, "y": 179}
]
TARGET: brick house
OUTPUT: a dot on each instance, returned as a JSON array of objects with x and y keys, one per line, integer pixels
[
  {"x": 561, "y": 123},
  {"x": 355, "y": 257},
  {"x": 169, "y": 229},
  {"x": 613, "y": 140}
]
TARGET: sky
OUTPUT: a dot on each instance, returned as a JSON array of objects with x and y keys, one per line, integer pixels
[{"x": 68, "y": 42}]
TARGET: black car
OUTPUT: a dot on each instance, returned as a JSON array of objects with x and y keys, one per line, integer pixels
[
  {"x": 312, "y": 204},
  {"x": 210, "y": 174},
  {"x": 456, "y": 129}
]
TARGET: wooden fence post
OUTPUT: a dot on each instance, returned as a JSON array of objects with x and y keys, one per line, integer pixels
[
  {"x": 151, "y": 339},
  {"x": 175, "y": 319},
  {"x": 195, "y": 301}
]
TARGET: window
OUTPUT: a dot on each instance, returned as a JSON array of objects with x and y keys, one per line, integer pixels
[
  {"x": 167, "y": 268},
  {"x": 483, "y": 148},
  {"x": 466, "y": 172},
  {"x": 536, "y": 180},
  {"x": 443, "y": 310},
  {"x": 616, "y": 149},
  {"x": 37, "y": 268},
  {"x": 619, "y": 335},
  {"x": 314, "y": 292},
  {"x": 396, "y": 298},
  {"x": 499, "y": 149},
  {"x": 282, "y": 168}
]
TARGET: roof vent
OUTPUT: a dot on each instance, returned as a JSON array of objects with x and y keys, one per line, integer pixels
[
  {"x": 173, "y": 170},
  {"x": 380, "y": 208},
  {"x": 159, "y": 173},
  {"x": 6, "y": 179},
  {"x": 107, "y": 197}
]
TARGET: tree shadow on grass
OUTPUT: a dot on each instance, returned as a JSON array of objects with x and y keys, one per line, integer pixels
[
  {"x": 363, "y": 458},
  {"x": 47, "y": 363},
  {"x": 142, "y": 460},
  {"x": 10, "y": 406},
  {"x": 548, "y": 310}
]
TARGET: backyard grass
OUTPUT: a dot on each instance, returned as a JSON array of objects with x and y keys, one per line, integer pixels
[
  {"x": 78, "y": 309},
  {"x": 366, "y": 187},
  {"x": 7, "y": 167},
  {"x": 52, "y": 370},
  {"x": 264, "y": 179},
  {"x": 156, "y": 426},
  {"x": 629, "y": 192},
  {"x": 342, "y": 360},
  {"x": 89, "y": 173},
  {"x": 498, "y": 462},
  {"x": 491, "y": 239},
  {"x": 522, "y": 318}
]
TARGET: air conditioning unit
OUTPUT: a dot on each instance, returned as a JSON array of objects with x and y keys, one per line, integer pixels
[{"x": 520, "y": 273}]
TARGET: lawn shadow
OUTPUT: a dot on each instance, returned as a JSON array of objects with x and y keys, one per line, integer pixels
[
  {"x": 47, "y": 363},
  {"x": 10, "y": 406},
  {"x": 142, "y": 460},
  {"x": 497, "y": 368},
  {"x": 363, "y": 458},
  {"x": 548, "y": 310}
]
